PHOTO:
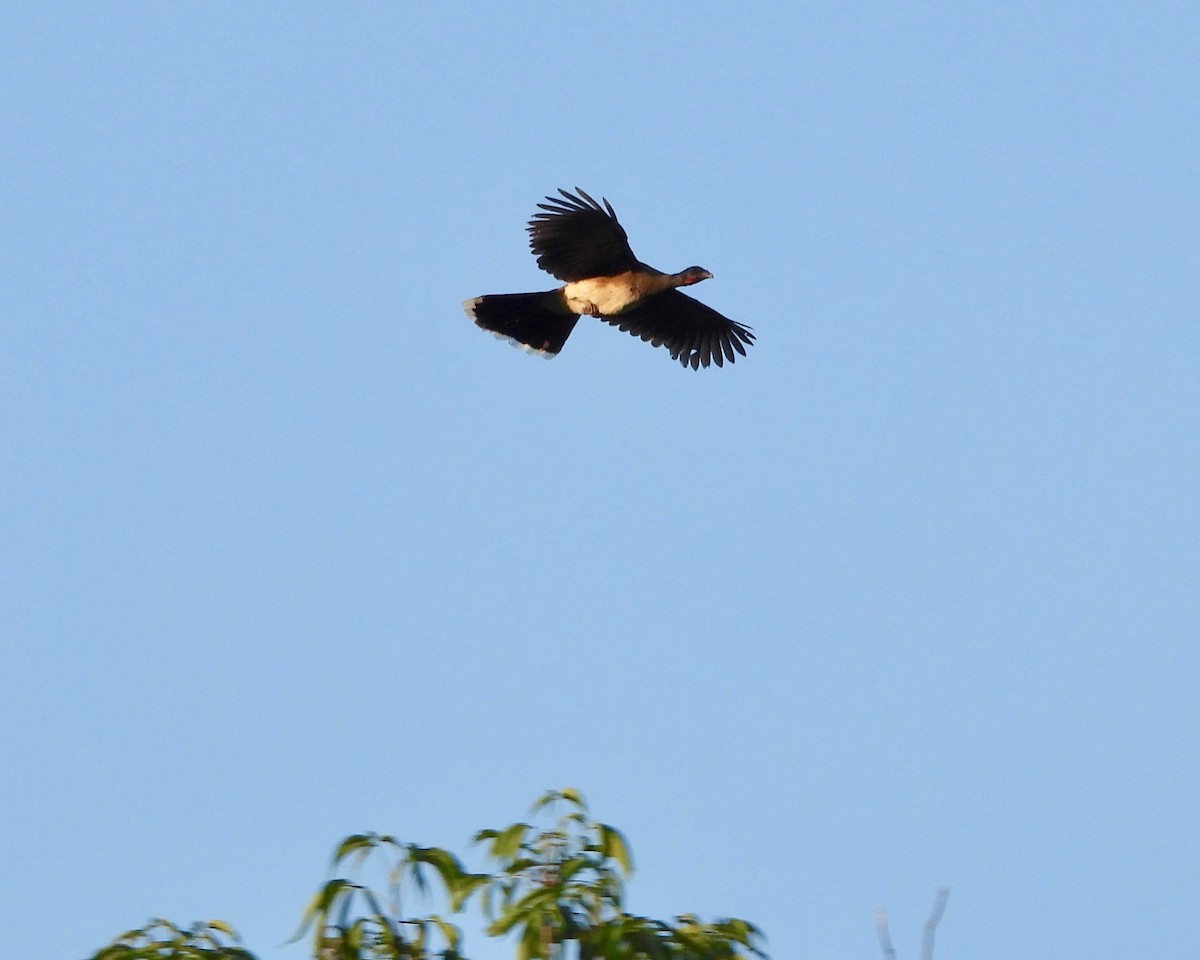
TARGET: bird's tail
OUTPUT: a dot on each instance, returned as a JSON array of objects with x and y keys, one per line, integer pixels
[{"x": 539, "y": 322}]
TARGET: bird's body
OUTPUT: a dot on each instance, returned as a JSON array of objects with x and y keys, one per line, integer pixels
[
  {"x": 606, "y": 296},
  {"x": 581, "y": 242}
]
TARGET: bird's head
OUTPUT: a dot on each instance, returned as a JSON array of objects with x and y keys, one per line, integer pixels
[{"x": 693, "y": 275}]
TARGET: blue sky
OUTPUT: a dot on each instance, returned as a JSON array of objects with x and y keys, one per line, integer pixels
[{"x": 291, "y": 550}]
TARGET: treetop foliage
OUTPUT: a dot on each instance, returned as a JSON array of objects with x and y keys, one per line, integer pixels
[
  {"x": 559, "y": 891},
  {"x": 161, "y": 939}
]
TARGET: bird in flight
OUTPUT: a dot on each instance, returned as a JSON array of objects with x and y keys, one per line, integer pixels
[{"x": 580, "y": 242}]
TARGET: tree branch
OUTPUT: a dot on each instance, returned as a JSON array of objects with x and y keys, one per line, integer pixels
[
  {"x": 939, "y": 908},
  {"x": 885, "y": 940}
]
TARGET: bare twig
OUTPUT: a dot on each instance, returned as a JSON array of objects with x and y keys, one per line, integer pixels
[
  {"x": 885, "y": 940},
  {"x": 939, "y": 907}
]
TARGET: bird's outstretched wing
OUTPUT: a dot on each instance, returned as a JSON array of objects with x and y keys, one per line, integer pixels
[
  {"x": 576, "y": 238},
  {"x": 695, "y": 334}
]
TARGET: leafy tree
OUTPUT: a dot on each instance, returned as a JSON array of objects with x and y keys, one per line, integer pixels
[
  {"x": 162, "y": 940},
  {"x": 566, "y": 884},
  {"x": 559, "y": 891},
  {"x": 376, "y": 931}
]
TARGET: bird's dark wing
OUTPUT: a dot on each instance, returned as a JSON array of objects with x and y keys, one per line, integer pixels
[
  {"x": 576, "y": 238},
  {"x": 695, "y": 334}
]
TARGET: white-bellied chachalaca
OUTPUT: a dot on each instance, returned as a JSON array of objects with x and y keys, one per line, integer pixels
[{"x": 581, "y": 243}]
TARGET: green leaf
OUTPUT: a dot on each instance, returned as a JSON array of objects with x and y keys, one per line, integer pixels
[
  {"x": 545, "y": 800},
  {"x": 344, "y": 914},
  {"x": 318, "y": 907},
  {"x": 465, "y": 886},
  {"x": 418, "y": 876},
  {"x": 353, "y": 843},
  {"x": 515, "y": 868},
  {"x": 568, "y": 868},
  {"x": 451, "y": 933},
  {"x": 376, "y": 907},
  {"x": 309, "y": 915},
  {"x": 531, "y": 947},
  {"x": 448, "y": 866},
  {"x": 614, "y": 845},
  {"x": 572, "y": 795},
  {"x": 225, "y": 928},
  {"x": 742, "y": 931},
  {"x": 528, "y": 910},
  {"x": 508, "y": 843},
  {"x": 418, "y": 940}
]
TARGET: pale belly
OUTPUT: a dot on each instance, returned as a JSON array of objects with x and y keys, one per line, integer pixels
[{"x": 605, "y": 296}]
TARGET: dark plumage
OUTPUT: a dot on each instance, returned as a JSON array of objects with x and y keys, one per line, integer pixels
[{"x": 580, "y": 242}]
